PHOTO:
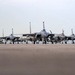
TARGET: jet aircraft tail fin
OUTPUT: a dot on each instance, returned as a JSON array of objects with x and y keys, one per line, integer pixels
[
  {"x": 62, "y": 31},
  {"x": 43, "y": 25},
  {"x": 72, "y": 31},
  {"x": 12, "y": 32},
  {"x": 50, "y": 31}
]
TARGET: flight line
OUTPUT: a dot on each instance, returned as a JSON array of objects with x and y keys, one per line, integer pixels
[{"x": 37, "y": 37}]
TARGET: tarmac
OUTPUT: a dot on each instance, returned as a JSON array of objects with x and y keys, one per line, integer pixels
[{"x": 38, "y": 59}]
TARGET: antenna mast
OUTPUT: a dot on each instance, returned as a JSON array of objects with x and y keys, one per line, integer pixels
[
  {"x": 3, "y": 32},
  {"x": 30, "y": 27}
]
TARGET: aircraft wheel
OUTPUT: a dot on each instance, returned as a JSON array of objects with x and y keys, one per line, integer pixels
[
  {"x": 26, "y": 42},
  {"x": 17, "y": 42},
  {"x": 65, "y": 42},
  {"x": 73, "y": 42},
  {"x": 10, "y": 42},
  {"x": 45, "y": 42},
  {"x": 62, "y": 42},
  {"x": 33, "y": 42},
  {"x": 5, "y": 42},
  {"x": 42, "y": 42},
  {"x": 52, "y": 42},
  {"x": 37, "y": 42}
]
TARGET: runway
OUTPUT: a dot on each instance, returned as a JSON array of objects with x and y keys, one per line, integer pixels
[{"x": 38, "y": 59}]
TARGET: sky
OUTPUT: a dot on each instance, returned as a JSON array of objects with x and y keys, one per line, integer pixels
[{"x": 57, "y": 15}]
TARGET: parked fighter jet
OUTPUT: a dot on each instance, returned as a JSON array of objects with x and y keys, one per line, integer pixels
[
  {"x": 40, "y": 36},
  {"x": 12, "y": 38},
  {"x": 71, "y": 37},
  {"x": 57, "y": 37}
]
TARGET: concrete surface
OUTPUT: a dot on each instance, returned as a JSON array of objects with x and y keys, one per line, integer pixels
[{"x": 22, "y": 59}]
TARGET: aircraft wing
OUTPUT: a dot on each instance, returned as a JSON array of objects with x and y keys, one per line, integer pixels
[
  {"x": 51, "y": 35},
  {"x": 70, "y": 38},
  {"x": 3, "y": 37},
  {"x": 16, "y": 37},
  {"x": 8, "y": 38},
  {"x": 29, "y": 34}
]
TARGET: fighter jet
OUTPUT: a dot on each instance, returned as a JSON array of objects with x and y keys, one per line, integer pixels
[
  {"x": 57, "y": 37},
  {"x": 40, "y": 36},
  {"x": 71, "y": 37},
  {"x": 11, "y": 38},
  {"x": 63, "y": 38}
]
